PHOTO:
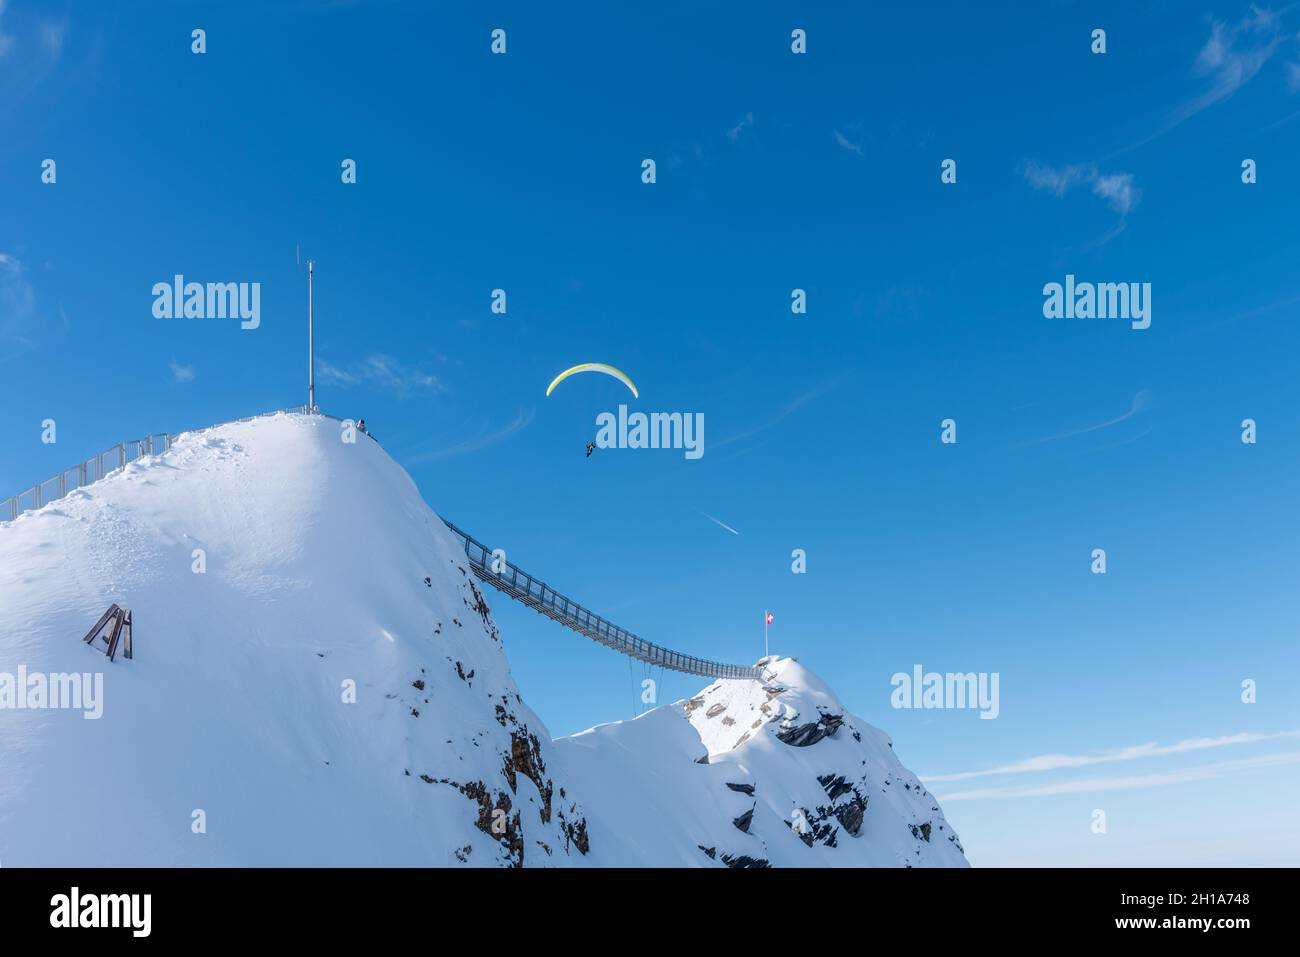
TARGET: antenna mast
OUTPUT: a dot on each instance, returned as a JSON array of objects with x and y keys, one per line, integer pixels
[{"x": 311, "y": 361}]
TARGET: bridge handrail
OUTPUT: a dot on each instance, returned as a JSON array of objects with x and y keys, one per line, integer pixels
[
  {"x": 93, "y": 469},
  {"x": 513, "y": 581}
]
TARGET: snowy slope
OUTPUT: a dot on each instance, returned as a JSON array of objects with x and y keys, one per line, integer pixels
[
  {"x": 327, "y": 686},
  {"x": 317, "y": 555},
  {"x": 791, "y": 779}
]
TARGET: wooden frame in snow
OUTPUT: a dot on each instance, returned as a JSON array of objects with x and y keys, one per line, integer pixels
[{"x": 120, "y": 620}]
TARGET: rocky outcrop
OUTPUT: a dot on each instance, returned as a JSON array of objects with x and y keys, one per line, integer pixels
[
  {"x": 795, "y": 789},
  {"x": 806, "y": 735}
]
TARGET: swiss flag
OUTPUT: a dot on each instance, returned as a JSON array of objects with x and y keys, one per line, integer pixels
[{"x": 769, "y": 617}]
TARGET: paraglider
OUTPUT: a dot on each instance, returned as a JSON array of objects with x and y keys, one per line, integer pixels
[{"x": 594, "y": 367}]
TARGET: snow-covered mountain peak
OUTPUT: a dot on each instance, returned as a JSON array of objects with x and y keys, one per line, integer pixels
[
  {"x": 316, "y": 676},
  {"x": 317, "y": 679},
  {"x": 793, "y": 702},
  {"x": 760, "y": 773}
]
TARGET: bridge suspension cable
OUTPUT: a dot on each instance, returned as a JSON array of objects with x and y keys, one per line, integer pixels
[{"x": 543, "y": 599}]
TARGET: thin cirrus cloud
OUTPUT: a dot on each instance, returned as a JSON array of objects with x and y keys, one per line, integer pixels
[
  {"x": 379, "y": 371},
  {"x": 486, "y": 438},
  {"x": 735, "y": 131},
  {"x": 1230, "y": 58},
  {"x": 17, "y": 303},
  {"x": 787, "y": 410},
  {"x": 181, "y": 372},
  {"x": 31, "y": 46},
  {"x": 848, "y": 144},
  {"x": 1141, "y": 402},
  {"x": 1117, "y": 189},
  {"x": 1057, "y": 762},
  {"x": 1205, "y": 772},
  {"x": 24, "y": 324}
]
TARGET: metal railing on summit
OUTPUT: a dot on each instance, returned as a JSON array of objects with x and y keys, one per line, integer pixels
[{"x": 509, "y": 579}]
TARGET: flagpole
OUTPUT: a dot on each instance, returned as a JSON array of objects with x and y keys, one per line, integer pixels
[{"x": 311, "y": 349}]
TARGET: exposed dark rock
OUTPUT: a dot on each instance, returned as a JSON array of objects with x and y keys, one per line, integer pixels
[
  {"x": 851, "y": 813},
  {"x": 922, "y": 831},
  {"x": 712, "y": 852},
  {"x": 744, "y": 820},
  {"x": 834, "y": 785},
  {"x": 715, "y": 710},
  {"x": 744, "y": 860},
  {"x": 575, "y": 833},
  {"x": 742, "y": 788},
  {"x": 508, "y": 832},
  {"x": 803, "y": 735},
  {"x": 526, "y": 759},
  {"x": 480, "y": 606},
  {"x": 694, "y": 703}
]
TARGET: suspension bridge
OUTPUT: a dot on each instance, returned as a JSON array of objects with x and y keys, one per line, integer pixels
[{"x": 487, "y": 565}]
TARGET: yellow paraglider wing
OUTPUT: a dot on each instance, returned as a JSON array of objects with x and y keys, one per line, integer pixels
[{"x": 593, "y": 367}]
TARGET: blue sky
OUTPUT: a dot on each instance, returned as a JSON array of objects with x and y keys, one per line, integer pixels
[{"x": 775, "y": 172}]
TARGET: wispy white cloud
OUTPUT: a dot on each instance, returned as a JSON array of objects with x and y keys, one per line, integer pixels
[
  {"x": 6, "y": 39},
  {"x": 1056, "y": 762},
  {"x": 380, "y": 371},
  {"x": 1117, "y": 189},
  {"x": 848, "y": 144},
  {"x": 329, "y": 374},
  {"x": 1141, "y": 402},
  {"x": 1231, "y": 57},
  {"x": 181, "y": 372},
  {"x": 19, "y": 321},
  {"x": 735, "y": 131},
  {"x": 486, "y": 437},
  {"x": 1158, "y": 779},
  {"x": 1293, "y": 77},
  {"x": 794, "y": 405},
  {"x": 31, "y": 45},
  {"x": 51, "y": 34}
]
